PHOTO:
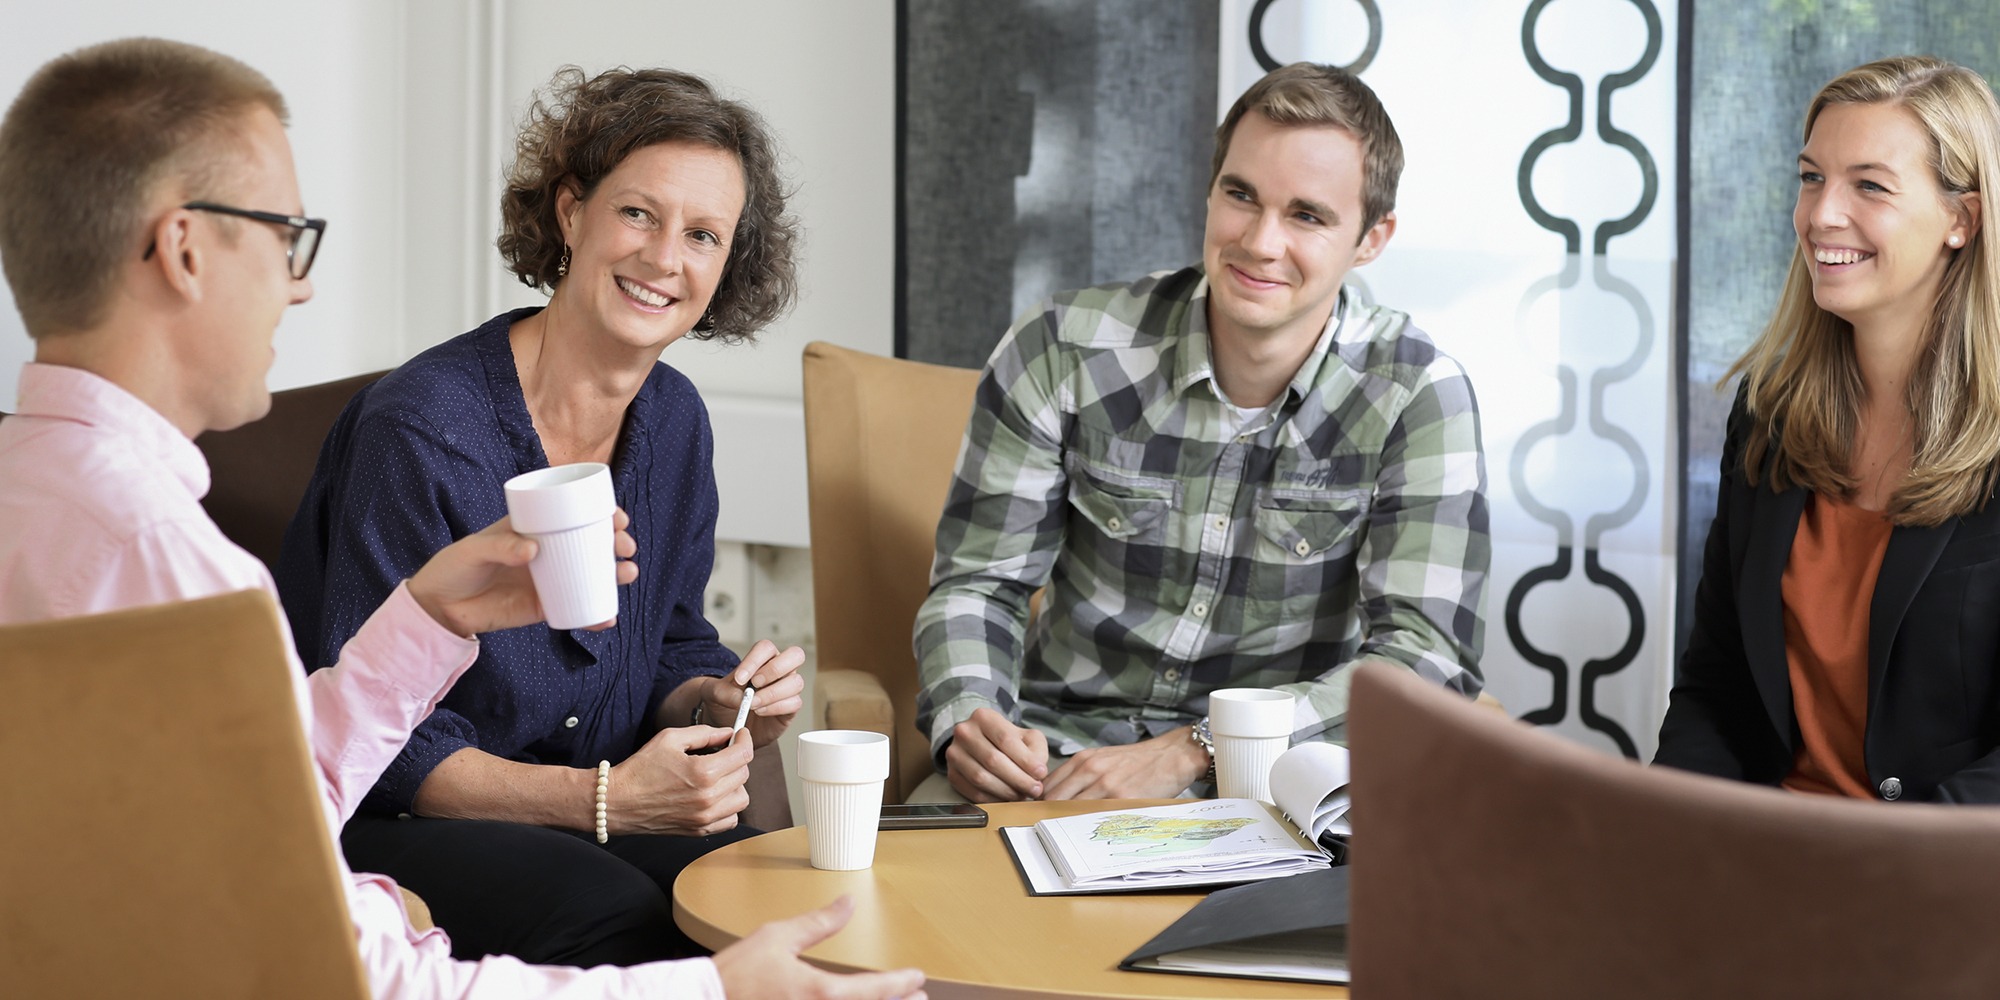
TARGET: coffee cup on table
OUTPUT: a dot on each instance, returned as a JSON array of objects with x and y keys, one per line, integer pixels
[
  {"x": 841, "y": 772},
  {"x": 1250, "y": 727},
  {"x": 568, "y": 511}
]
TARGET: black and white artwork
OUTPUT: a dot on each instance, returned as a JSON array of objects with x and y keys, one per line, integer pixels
[{"x": 1046, "y": 144}]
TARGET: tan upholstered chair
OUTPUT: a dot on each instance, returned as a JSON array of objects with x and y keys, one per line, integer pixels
[
  {"x": 1495, "y": 861},
  {"x": 160, "y": 829},
  {"x": 882, "y": 435},
  {"x": 259, "y": 471}
]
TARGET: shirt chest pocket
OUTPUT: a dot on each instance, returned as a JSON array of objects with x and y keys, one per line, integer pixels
[
  {"x": 1312, "y": 525},
  {"x": 1125, "y": 508}
]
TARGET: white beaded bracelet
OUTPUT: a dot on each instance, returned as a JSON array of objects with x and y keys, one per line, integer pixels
[{"x": 603, "y": 786}]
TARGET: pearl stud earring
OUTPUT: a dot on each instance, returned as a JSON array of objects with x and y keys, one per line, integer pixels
[{"x": 1952, "y": 240}]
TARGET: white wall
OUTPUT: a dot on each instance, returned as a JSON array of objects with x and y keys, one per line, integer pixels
[{"x": 402, "y": 118}]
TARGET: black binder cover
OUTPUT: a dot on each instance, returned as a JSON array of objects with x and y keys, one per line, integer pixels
[{"x": 1305, "y": 902}]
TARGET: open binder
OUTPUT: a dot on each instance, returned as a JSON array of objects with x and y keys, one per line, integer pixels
[{"x": 1198, "y": 842}]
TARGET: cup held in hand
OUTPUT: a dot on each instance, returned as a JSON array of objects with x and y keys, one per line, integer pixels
[
  {"x": 568, "y": 511},
  {"x": 842, "y": 771},
  {"x": 1251, "y": 727}
]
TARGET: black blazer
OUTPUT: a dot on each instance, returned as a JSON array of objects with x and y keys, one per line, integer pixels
[{"x": 1933, "y": 731}]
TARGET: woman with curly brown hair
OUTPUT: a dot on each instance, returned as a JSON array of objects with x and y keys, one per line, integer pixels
[{"x": 649, "y": 209}]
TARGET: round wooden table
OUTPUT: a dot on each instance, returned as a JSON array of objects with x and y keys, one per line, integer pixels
[{"x": 951, "y": 903}]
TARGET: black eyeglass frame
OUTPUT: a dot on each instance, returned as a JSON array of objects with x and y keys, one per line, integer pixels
[{"x": 300, "y": 226}]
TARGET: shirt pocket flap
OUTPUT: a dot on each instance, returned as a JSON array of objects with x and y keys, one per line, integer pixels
[
  {"x": 1119, "y": 504},
  {"x": 1311, "y": 525}
]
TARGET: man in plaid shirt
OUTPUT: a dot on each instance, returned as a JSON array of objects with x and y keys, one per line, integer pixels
[{"x": 1232, "y": 475}]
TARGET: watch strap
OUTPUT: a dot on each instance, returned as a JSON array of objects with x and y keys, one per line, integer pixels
[{"x": 1200, "y": 734}]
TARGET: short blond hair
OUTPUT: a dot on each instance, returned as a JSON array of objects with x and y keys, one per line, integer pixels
[{"x": 84, "y": 147}]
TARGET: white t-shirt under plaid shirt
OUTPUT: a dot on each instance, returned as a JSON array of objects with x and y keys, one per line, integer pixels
[{"x": 1348, "y": 520}]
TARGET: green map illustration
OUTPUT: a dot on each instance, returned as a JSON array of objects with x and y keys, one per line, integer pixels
[{"x": 1160, "y": 835}]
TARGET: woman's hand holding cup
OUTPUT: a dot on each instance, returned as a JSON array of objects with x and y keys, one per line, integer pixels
[{"x": 780, "y": 691}]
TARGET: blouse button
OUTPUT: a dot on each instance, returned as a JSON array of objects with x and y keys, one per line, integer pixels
[
  {"x": 1114, "y": 524},
  {"x": 1302, "y": 548},
  {"x": 569, "y": 723}
]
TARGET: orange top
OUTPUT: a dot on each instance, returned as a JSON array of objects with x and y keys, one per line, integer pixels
[{"x": 1828, "y": 587}]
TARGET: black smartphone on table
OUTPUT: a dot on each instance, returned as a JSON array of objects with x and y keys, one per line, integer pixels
[{"x": 932, "y": 816}]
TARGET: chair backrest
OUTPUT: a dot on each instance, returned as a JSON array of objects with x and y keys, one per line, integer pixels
[
  {"x": 259, "y": 471},
  {"x": 1493, "y": 860},
  {"x": 882, "y": 435},
  {"x": 161, "y": 833}
]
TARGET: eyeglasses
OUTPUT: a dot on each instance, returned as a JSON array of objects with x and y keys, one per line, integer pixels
[{"x": 306, "y": 233}]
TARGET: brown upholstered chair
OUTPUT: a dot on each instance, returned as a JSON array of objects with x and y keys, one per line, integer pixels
[
  {"x": 1492, "y": 860},
  {"x": 258, "y": 472},
  {"x": 160, "y": 830},
  {"x": 882, "y": 435}
]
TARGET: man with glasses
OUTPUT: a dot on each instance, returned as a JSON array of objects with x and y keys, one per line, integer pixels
[
  {"x": 151, "y": 232},
  {"x": 299, "y": 253}
]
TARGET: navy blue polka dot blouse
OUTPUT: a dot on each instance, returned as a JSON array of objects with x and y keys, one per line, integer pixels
[{"x": 417, "y": 461}]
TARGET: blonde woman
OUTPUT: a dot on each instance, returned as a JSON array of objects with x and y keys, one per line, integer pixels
[{"x": 1847, "y": 626}]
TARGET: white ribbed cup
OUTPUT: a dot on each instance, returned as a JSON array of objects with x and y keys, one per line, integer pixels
[
  {"x": 1243, "y": 766},
  {"x": 567, "y": 510},
  {"x": 1251, "y": 727},
  {"x": 842, "y": 771}
]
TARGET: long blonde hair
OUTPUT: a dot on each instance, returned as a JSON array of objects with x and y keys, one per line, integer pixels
[{"x": 1801, "y": 377}]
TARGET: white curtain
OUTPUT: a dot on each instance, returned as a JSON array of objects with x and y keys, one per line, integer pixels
[{"x": 1536, "y": 246}]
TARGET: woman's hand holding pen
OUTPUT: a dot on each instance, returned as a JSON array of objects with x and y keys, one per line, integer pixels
[{"x": 780, "y": 691}]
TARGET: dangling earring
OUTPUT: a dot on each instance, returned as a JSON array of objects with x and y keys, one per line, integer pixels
[{"x": 562, "y": 266}]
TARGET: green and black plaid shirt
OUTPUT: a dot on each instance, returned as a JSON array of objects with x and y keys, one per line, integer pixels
[{"x": 1349, "y": 520}]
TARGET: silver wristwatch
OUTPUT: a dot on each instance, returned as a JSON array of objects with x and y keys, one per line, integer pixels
[{"x": 1201, "y": 735}]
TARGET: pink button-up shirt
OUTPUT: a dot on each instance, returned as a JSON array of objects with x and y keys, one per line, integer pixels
[{"x": 100, "y": 509}]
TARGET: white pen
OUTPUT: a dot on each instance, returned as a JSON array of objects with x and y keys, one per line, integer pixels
[{"x": 743, "y": 710}]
